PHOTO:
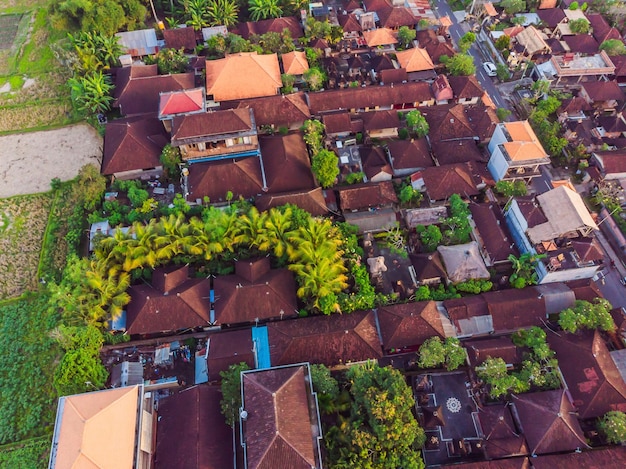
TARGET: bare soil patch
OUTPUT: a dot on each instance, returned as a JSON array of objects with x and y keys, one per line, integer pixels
[{"x": 29, "y": 161}]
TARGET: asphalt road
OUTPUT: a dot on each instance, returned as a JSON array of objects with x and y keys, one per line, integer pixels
[{"x": 457, "y": 30}]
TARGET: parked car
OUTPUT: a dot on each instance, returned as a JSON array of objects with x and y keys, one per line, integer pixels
[
  {"x": 490, "y": 69},
  {"x": 623, "y": 281}
]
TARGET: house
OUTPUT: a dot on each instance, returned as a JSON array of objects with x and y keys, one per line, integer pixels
[
  {"x": 516, "y": 152},
  {"x": 501, "y": 439},
  {"x": 172, "y": 302},
  {"x": 592, "y": 379},
  {"x": 416, "y": 60},
  {"x": 428, "y": 268},
  {"x": 612, "y": 164},
  {"x": 139, "y": 43},
  {"x": 294, "y": 63},
  {"x": 442, "y": 90},
  {"x": 466, "y": 90},
  {"x": 478, "y": 350},
  {"x": 273, "y": 25},
  {"x": 180, "y": 38},
  {"x": 369, "y": 206},
  {"x": 254, "y": 292},
  {"x": 448, "y": 122},
  {"x": 463, "y": 262},
  {"x": 409, "y": 325},
  {"x": 279, "y": 420},
  {"x": 601, "y": 29},
  {"x": 132, "y": 148},
  {"x": 192, "y": 432},
  {"x": 229, "y": 347},
  {"x": 380, "y": 37},
  {"x": 460, "y": 178},
  {"x": 583, "y": 44},
  {"x": 375, "y": 165},
  {"x": 338, "y": 124},
  {"x": 551, "y": 17},
  {"x": 286, "y": 163},
  {"x": 600, "y": 457},
  {"x": 137, "y": 88},
  {"x": 179, "y": 103},
  {"x": 381, "y": 124},
  {"x": 242, "y": 76},
  {"x": 290, "y": 110},
  {"x": 572, "y": 68},
  {"x": 532, "y": 42},
  {"x": 603, "y": 96},
  {"x": 519, "y": 308},
  {"x": 310, "y": 200},
  {"x": 490, "y": 232},
  {"x": 394, "y": 17},
  {"x": 215, "y": 135},
  {"x": 438, "y": 49},
  {"x": 456, "y": 151},
  {"x": 242, "y": 177},
  {"x": 408, "y": 156},
  {"x": 548, "y": 225},
  {"x": 350, "y": 24},
  {"x": 548, "y": 422},
  {"x": 346, "y": 338},
  {"x": 112, "y": 428}
]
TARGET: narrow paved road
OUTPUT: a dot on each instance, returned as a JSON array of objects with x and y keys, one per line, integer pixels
[{"x": 456, "y": 32}]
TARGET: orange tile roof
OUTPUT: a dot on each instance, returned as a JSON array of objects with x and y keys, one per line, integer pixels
[
  {"x": 295, "y": 63},
  {"x": 379, "y": 37},
  {"x": 524, "y": 145},
  {"x": 243, "y": 75},
  {"x": 415, "y": 60},
  {"x": 97, "y": 429}
]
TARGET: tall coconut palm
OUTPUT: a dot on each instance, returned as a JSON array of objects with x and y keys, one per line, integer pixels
[
  {"x": 223, "y": 12},
  {"x": 278, "y": 230},
  {"x": 264, "y": 9},
  {"x": 91, "y": 93},
  {"x": 108, "y": 287},
  {"x": 252, "y": 227}
]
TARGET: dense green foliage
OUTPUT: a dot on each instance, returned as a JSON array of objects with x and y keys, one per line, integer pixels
[
  {"x": 436, "y": 352},
  {"x": 459, "y": 64},
  {"x": 325, "y": 167},
  {"x": 91, "y": 93},
  {"x": 406, "y": 35},
  {"x": 457, "y": 228},
  {"x": 105, "y": 16},
  {"x": 170, "y": 159},
  {"x": 231, "y": 392},
  {"x": 27, "y": 358},
  {"x": 585, "y": 315},
  {"x": 511, "y": 188},
  {"x": 27, "y": 454},
  {"x": 466, "y": 41},
  {"x": 315, "y": 77},
  {"x": 613, "y": 47},
  {"x": 580, "y": 26},
  {"x": 474, "y": 286},
  {"x": 324, "y": 30},
  {"x": 513, "y": 6},
  {"x": 417, "y": 123},
  {"x": 171, "y": 61},
  {"x": 94, "y": 51},
  {"x": 381, "y": 431},
  {"x": 524, "y": 273},
  {"x": 264, "y": 9},
  {"x": 613, "y": 426},
  {"x": 430, "y": 236}
]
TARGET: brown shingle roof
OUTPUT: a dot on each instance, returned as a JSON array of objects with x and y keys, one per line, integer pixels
[
  {"x": 531, "y": 211},
  {"x": 375, "y": 5},
  {"x": 574, "y": 105},
  {"x": 360, "y": 196},
  {"x": 244, "y": 75},
  {"x": 502, "y": 347},
  {"x": 443, "y": 181},
  {"x": 594, "y": 381},
  {"x": 509, "y": 463},
  {"x": 345, "y": 338},
  {"x": 428, "y": 266},
  {"x": 241, "y": 177},
  {"x": 407, "y": 325},
  {"x": 502, "y": 438},
  {"x": 396, "y": 75},
  {"x": 549, "y": 422},
  {"x": 312, "y": 201},
  {"x": 132, "y": 144},
  {"x": 182, "y": 439},
  {"x": 180, "y": 38},
  {"x": 442, "y": 89},
  {"x": 209, "y": 124},
  {"x": 137, "y": 90},
  {"x": 551, "y": 16},
  {"x": 492, "y": 229},
  {"x": 286, "y": 163},
  {"x": 369, "y": 97},
  {"x": 283, "y": 110},
  {"x": 438, "y": 49},
  {"x": 601, "y": 29},
  {"x": 278, "y": 428},
  {"x": 275, "y": 25},
  {"x": 239, "y": 300},
  {"x": 466, "y": 87},
  {"x": 394, "y": 17},
  {"x": 228, "y": 348},
  {"x": 614, "y": 456},
  {"x": 410, "y": 154},
  {"x": 184, "y": 306},
  {"x": 611, "y": 162}
]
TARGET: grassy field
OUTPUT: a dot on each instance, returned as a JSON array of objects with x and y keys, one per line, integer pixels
[
  {"x": 23, "y": 222},
  {"x": 38, "y": 97}
]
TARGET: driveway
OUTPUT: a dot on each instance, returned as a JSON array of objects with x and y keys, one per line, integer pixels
[{"x": 29, "y": 161}]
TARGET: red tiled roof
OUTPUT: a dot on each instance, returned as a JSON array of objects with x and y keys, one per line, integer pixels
[
  {"x": 443, "y": 181},
  {"x": 410, "y": 154},
  {"x": 349, "y": 23},
  {"x": 594, "y": 381},
  {"x": 286, "y": 162},
  {"x": 228, "y": 348},
  {"x": 502, "y": 439},
  {"x": 180, "y": 38},
  {"x": 278, "y": 428},
  {"x": 132, "y": 144},
  {"x": 241, "y": 177},
  {"x": 438, "y": 49},
  {"x": 361, "y": 196},
  {"x": 514, "y": 309},
  {"x": 312, "y": 201},
  {"x": 448, "y": 122},
  {"x": 378, "y": 120},
  {"x": 492, "y": 229},
  {"x": 531, "y": 211},
  {"x": 509, "y": 463},
  {"x": 603, "y": 91},
  {"x": 614, "y": 456},
  {"x": 376, "y": 5},
  {"x": 213, "y": 123},
  {"x": 394, "y": 17},
  {"x": 275, "y": 25},
  {"x": 345, "y": 338},
  {"x": 611, "y": 162},
  {"x": 479, "y": 350},
  {"x": 281, "y": 111},
  {"x": 582, "y": 43},
  {"x": 549, "y": 422},
  {"x": 239, "y": 300},
  {"x": 182, "y": 439},
  {"x": 456, "y": 151},
  {"x": 406, "y": 325},
  {"x": 337, "y": 122},
  {"x": 180, "y": 102},
  {"x": 466, "y": 87}
]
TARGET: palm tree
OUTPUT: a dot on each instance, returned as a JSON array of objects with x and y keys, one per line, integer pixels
[
  {"x": 278, "y": 230},
  {"x": 263, "y": 9},
  {"x": 107, "y": 293},
  {"x": 92, "y": 92},
  {"x": 252, "y": 227},
  {"x": 197, "y": 13},
  {"x": 223, "y": 12}
]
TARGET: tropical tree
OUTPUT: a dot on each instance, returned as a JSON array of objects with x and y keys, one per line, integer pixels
[
  {"x": 435, "y": 352},
  {"x": 613, "y": 426},
  {"x": 95, "y": 51},
  {"x": 264, "y": 9},
  {"x": 524, "y": 273},
  {"x": 170, "y": 159},
  {"x": 513, "y": 6},
  {"x": 466, "y": 41},
  {"x": 417, "y": 123},
  {"x": 315, "y": 78},
  {"x": 613, "y": 47},
  {"x": 326, "y": 387},
  {"x": 231, "y": 392},
  {"x": 106, "y": 16},
  {"x": 430, "y": 236},
  {"x": 494, "y": 373},
  {"x": 459, "y": 64},
  {"x": 503, "y": 42},
  {"x": 171, "y": 61},
  {"x": 406, "y": 35},
  {"x": 586, "y": 315},
  {"x": 222, "y": 12},
  {"x": 196, "y": 13},
  {"x": 91, "y": 93},
  {"x": 580, "y": 26},
  {"x": 325, "y": 167},
  {"x": 90, "y": 186}
]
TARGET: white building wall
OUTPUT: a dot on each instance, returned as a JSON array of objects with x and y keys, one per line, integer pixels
[
  {"x": 497, "y": 138},
  {"x": 498, "y": 166},
  {"x": 568, "y": 275}
]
